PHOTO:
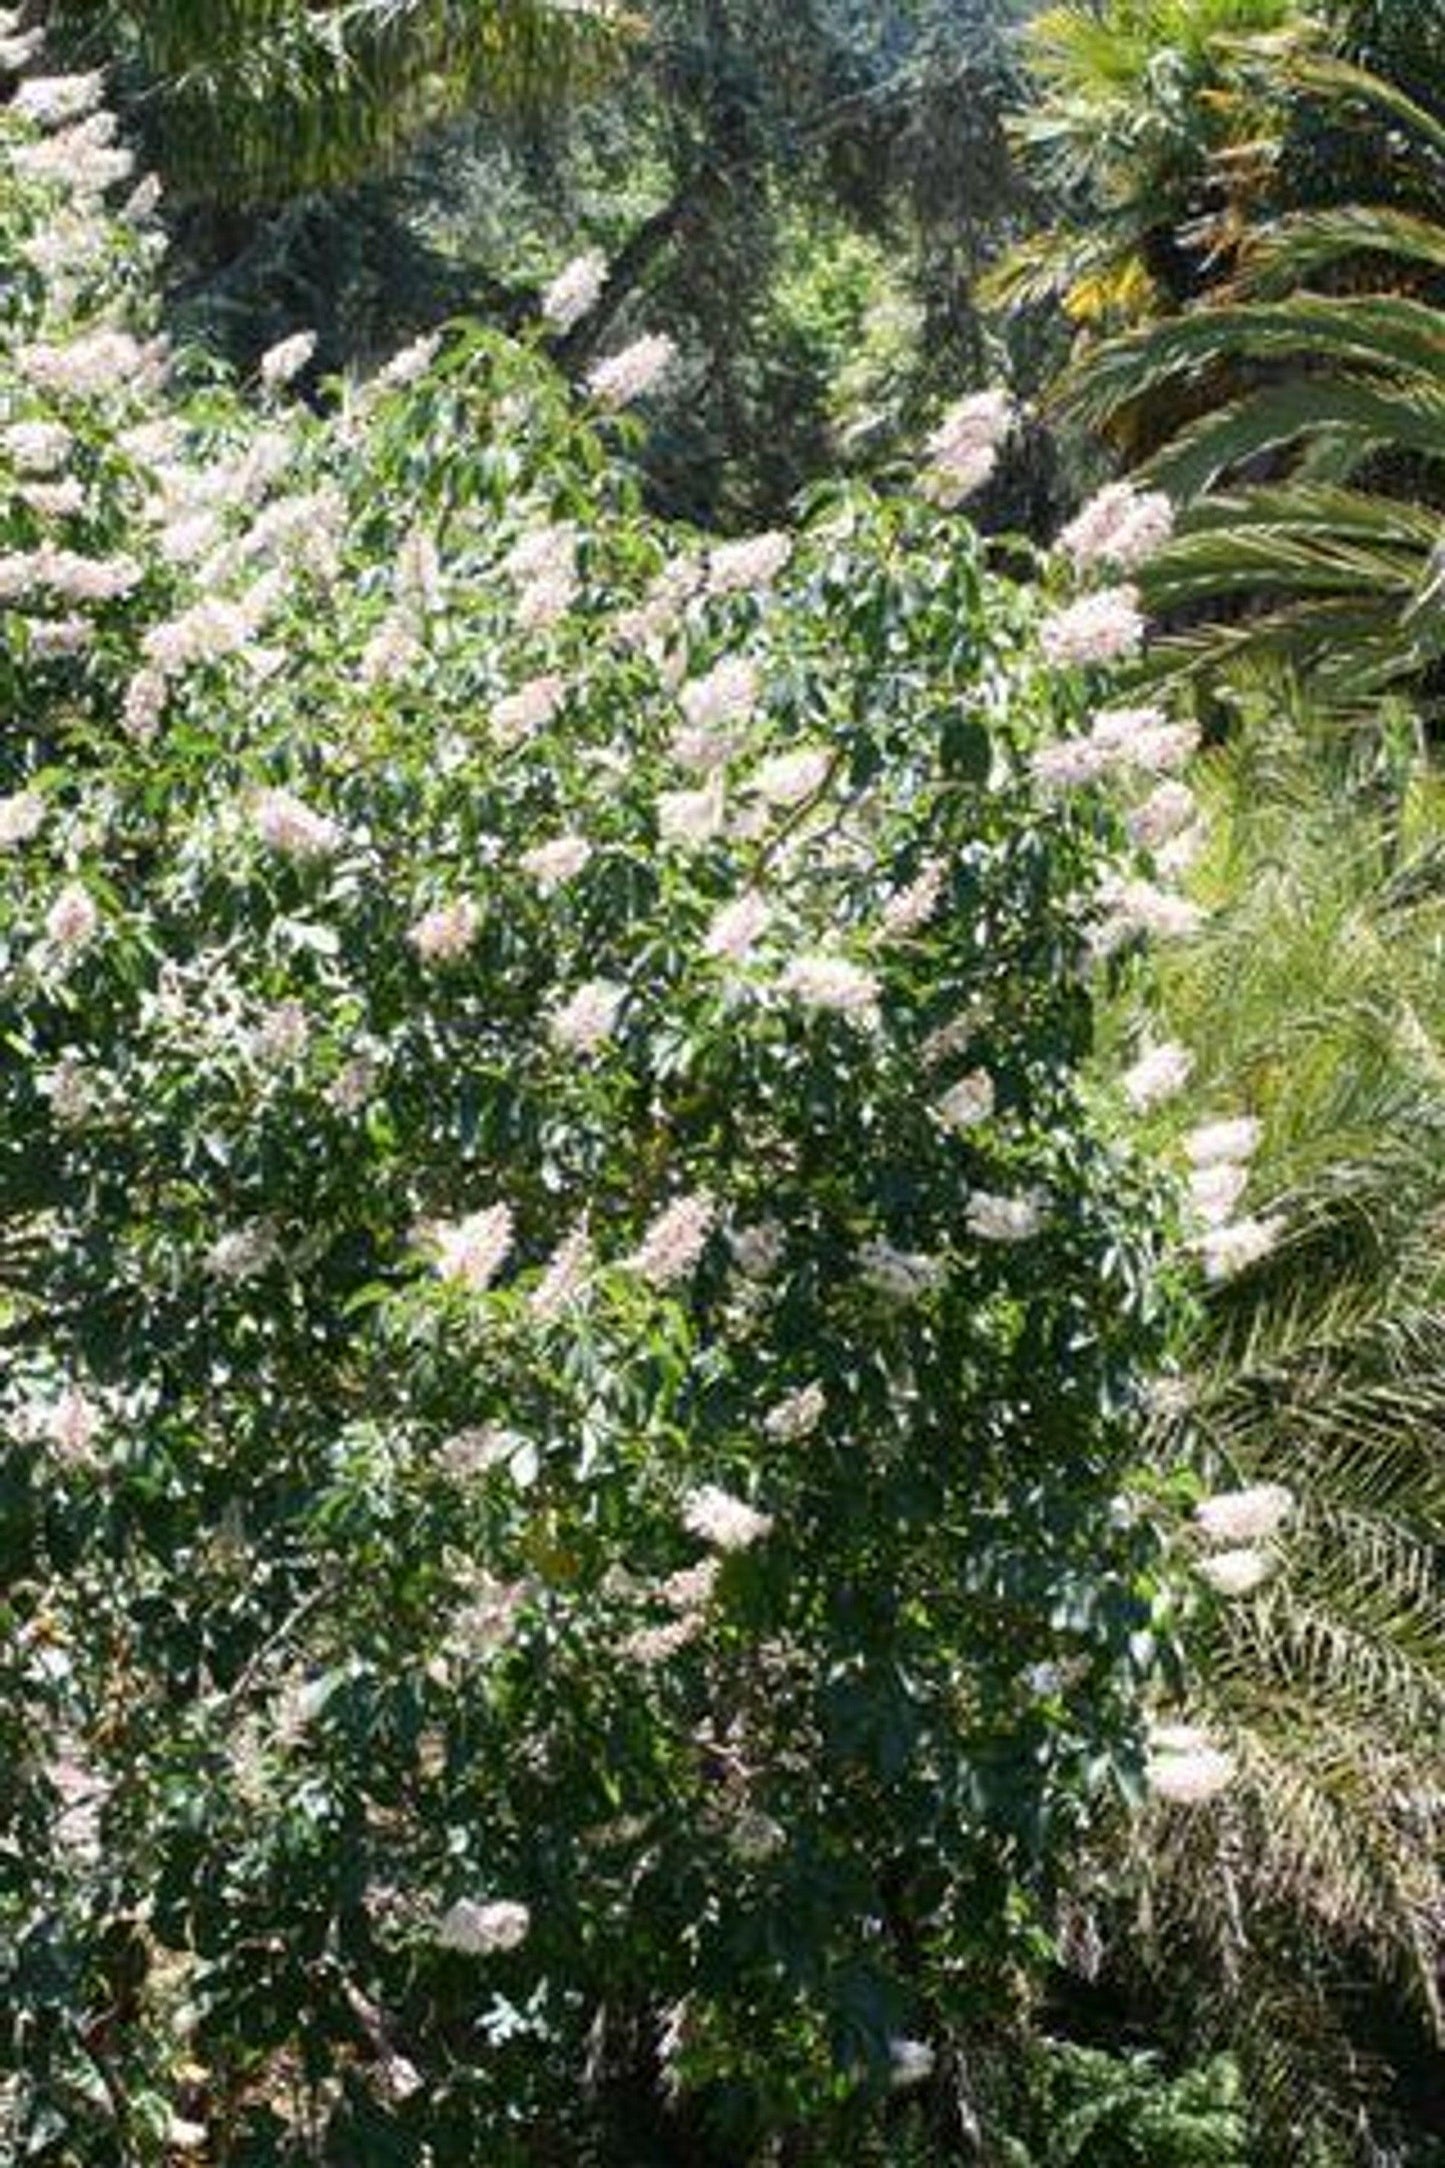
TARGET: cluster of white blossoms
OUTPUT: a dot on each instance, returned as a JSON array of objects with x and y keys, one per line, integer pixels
[
  {"x": 73, "y": 919},
  {"x": 519, "y": 715},
  {"x": 1218, "y": 1154},
  {"x": 626, "y": 377},
  {"x": 727, "y": 1523},
  {"x": 687, "y": 819},
  {"x": 470, "y": 1252},
  {"x": 1003, "y": 1219},
  {"x": 1120, "y": 744},
  {"x": 1104, "y": 627},
  {"x": 787, "y": 778},
  {"x": 287, "y": 824},
  {"x": 445, "y": 932},
  {"x": 92, "y": 364},
  {"x": 749, "y": 564},
  {"x": 1157, "y": 1074},
  {"x": 588, "y": 1017},
  {"x": 36, "y": 447},
  {"x": 1252, "y": 1515},
  {"x": 911, "y": 907},
  {"x": 282, "y": 363},
  {"x": 480, "y": 1930},
  {"x": 564, "y": 1277},
  {"x": 834, "y": 984},
  {"x": 561, "y": 859},
  {"x": 1120, "y": 527},
  {"x": 22, "y": 815},
  {"x": 713, "y": 705},
  {"x": 737, "y": 927},
  {"x": 963, "y": 450},
  {"x": 543, "y": 563},
  {"x": 674, "y": 1240},
  {"x": 70, "y": 1425},
  {"x": 1185, "y": 1766},
  {"x": 575, "y": 291},
  {"x": 797, "y": 1414},
  {"x": 243, "y": 1252},
  {"x": 1135, "y": 907},
  {"x": 67, "y": 574},
  {"x": 967, "y": 1103}
]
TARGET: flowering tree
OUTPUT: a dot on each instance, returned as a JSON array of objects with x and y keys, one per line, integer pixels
[{"x": 571, "y": 1338}]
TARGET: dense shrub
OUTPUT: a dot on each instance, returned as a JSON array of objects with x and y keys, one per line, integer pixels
[{"x": 571, "y": 1340}]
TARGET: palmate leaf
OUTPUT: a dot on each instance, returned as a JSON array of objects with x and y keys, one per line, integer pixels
[
  {"x": 1280, "y": 256},
  {"x": 1403, "y": 338},
  {"x": 1355, "y": 415}
]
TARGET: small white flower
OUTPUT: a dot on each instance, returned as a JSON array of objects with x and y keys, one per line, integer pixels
[
  {"x": 835, "y": 985},
  {"x": 1215, "y": 1191},
  {"x": 691, "y": 1587},
  {"x": 53, "y": 101},
  {"x": 1185, "y": 1767},
  {"x": 1139, "y": 907},
  {"x": 674, "y": 1240},
  {"x": 1236, "y": 1573},
  {"x": 737, "y": 927},
  {"x": 1251, "y": 1515},
  {"x": 22, "y": 815},
  {"x": 968, "y": 1102},
  {"x": 788, "y": 778},
  {"x": 565, "y": 1276},
  {"x": 470, "y": 1252},
  {"x": 286, "y": 824},
  {"x": 797, "y": 1414},
  {"x": 1165, "y": 812},
  {"x": 550, "y": 864},
  {"x": 1121, "y": 527},
  {"x": 72, "y": 1424},
  {"x": 588, "y": 1018},
  {"x": 243, "y": 1252},
  {"x": 282, "y": 1033},
  {"x": 575, "y": 291},
  {"x": 1233, "y": 1248},
  {"x": 1069, "y": 763},
  {"x": 756, "y": 561},
  {"x": 282, "y": 363},
  {"x": 759, "y": 1249},
  {"x": 36, "y": 447},
  {"x": 480, "y": 1929},
  {"x": 73, "y": 921},
  {"x": 445, "y": 933},
  {"x": 651, "y": 1645},
  {"x": 530, "y": 708},
  {"x": 911, "y": 2062},
  {"x": 1214, "y": 1142},
  {"x": 963, "y": 450},
  {"x": 1104, "y": 627},
  {"x": 910, "y": 908},
  {"x": 1144, "y": 740},
  {"x": 692, "y": 817},
  {"x": 724, "y": 695},
  {"x": 627, "y": 376},
  {"x": 716, "y": 1517},
  {"x": 1003, "y": 1219},
  {"x": 1157, "y": 1074}
]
